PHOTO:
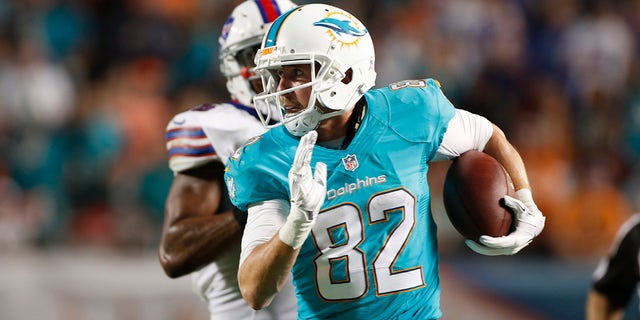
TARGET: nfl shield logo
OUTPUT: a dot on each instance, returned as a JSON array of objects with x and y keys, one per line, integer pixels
[{"x": 350, "y": 162}]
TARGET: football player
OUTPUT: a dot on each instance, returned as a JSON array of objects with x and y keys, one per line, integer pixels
[
  {"x": 202, "y": 230},
  {"x": 617, "y": 275},
  {"x": 356, "y": 232}
]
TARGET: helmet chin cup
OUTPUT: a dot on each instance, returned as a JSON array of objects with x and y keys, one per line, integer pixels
[{"x": 304, "y": 123}]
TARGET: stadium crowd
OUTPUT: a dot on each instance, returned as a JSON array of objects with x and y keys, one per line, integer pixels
[{"x": 87, "y": 88}]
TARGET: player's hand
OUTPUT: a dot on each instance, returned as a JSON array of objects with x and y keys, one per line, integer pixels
[
  {"x": 529, "y": 222},
  {"x": 307, "y": 193}
]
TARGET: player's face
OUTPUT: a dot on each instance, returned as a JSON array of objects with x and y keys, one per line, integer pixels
[
  {"x": 291, "y": 76},
  {"x": 245, "y": 58}
]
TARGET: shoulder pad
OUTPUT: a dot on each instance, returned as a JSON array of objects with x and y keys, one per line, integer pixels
[{"x": 187, "y": 144}]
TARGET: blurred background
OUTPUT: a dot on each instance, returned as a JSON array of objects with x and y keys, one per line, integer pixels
[{"x": 88, "y": 86}]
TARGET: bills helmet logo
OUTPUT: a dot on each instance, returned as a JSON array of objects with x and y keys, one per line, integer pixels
[
  {"x": 227, "y": 27},
  {"x": 350, "y": 162}
]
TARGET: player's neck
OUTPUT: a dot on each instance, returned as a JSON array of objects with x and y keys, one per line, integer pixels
[{"x": 337, "y": 132}]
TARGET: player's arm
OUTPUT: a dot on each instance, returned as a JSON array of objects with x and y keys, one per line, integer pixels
[
  {"x": 271, "y": 244},
  {"x": 502, "y": 150},
  {"x": 266, "y": 260},
  {"x": 468, "y": 131},
  {"x": 194, "y": 232},
  {"x": 529, "y": 221},
  {"x": 615, "y": 279},
  {"x": 600, "y": 308}
]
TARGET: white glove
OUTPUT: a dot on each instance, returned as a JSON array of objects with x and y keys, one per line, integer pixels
[
  {"x": 528, "y": 224},
  {"x": 307, "y": 193}
]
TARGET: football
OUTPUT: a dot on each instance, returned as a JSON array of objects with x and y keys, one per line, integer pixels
[{"x": 473, "y": 190}]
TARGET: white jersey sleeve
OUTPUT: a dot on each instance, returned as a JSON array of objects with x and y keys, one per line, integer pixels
[
  {"x": 466, "y": 131},
  {"x": 264, "y": 220},
  {"x": 213, "y": 133},
  {"x": 210, "y": 132}
]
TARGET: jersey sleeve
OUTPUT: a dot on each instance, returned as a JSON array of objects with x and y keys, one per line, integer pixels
[
  {"x": 466, "y": 131},
  {"x": 187, "y": 144},
  {"x": 419, "y": 111},
  {"x": 618, "y": 274},
  {"x": 209, "y": 132},
  {"x": 253, "y": 176}
]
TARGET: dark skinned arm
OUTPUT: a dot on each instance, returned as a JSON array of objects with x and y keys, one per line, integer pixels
[{"x": 194, "y": 231}]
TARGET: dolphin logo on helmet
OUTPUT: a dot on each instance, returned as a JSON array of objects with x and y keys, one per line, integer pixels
[
  {"x": 333, "y": 43},
  {"x": 340, "y": 27}
]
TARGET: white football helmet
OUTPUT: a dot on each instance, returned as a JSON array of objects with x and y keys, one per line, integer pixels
[
  {"x": 332, "y": 41},
  {"x": 239, "y": 41}
]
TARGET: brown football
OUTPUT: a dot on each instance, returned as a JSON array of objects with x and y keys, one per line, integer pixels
[{"x": 473, "y": 193}]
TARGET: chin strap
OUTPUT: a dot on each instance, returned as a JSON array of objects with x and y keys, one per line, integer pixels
[{"x": 354, "y": 122}]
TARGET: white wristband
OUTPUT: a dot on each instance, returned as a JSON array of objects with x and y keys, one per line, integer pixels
[
  {"x": 526, "y": 197},
  {"x": 296, "y": 229}
]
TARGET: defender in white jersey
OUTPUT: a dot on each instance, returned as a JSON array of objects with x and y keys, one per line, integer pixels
[
  {"x": 202, "y": 230},
  {"x": 357, "y": 232}
]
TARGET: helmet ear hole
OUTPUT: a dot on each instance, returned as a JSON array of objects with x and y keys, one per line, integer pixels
[{"x": 348, "y": 76}]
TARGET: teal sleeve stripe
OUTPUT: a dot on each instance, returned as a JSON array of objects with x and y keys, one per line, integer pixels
[{"x": 272, "y": 35}]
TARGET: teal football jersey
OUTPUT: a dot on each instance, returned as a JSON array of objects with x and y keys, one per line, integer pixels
[{"x": 372, "y": 253}]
